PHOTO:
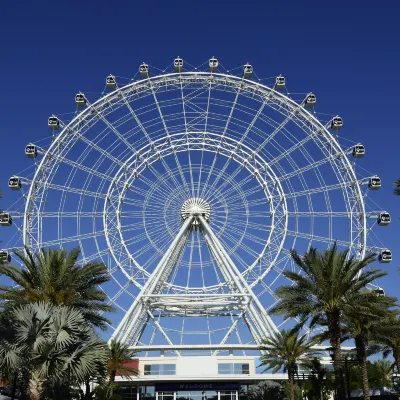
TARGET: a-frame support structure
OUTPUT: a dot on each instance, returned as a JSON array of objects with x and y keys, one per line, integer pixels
[{"x": 155, "y": 299}]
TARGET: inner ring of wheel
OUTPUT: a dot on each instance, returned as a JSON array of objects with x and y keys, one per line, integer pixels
[{"x": 187, "y": 141}]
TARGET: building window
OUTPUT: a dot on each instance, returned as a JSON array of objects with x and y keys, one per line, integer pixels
[
  {"x": 233, "y": 369},
  {"x": 159, "y": 369},
  {"x": 147, "y": 393}
]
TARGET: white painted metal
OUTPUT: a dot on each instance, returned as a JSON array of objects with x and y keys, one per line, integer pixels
[{"x": 137, "y": 159}]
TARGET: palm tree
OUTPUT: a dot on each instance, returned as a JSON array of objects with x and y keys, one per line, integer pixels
[
  {"x": 396, "y": 190},
  {"x": 51, "y": 344},
  {"x": 365, "y": 318},
  {"x": 389, "y": 336},
  {"x": 286, "y": 350},
  {"x": 118, "y": 357},
  {"x": 320, "y": 291},
  {"x": 319, "y": 385},
  {"x": 55, "y": 277}
]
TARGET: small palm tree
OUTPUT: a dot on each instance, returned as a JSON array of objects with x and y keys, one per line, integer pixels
[
  {"x": 389, "y": 336},
  {"x": 365, "y": 317},
  {"x": 320, "y": 384},
  {"x": 286, "y": 350},
  {"x": 55, "y": 277},
  {"x": 51, "y": 344},
  {"x": 119, "y": 356},
  {"x": 384, "y": 372},
  {"x": 320, "y": 291}
]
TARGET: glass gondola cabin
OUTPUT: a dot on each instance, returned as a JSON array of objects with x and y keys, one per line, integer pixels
[
  {"x": 53, "y": 123},
  {"x": 336, "y": 123},
  {"x": 310, "y": 100},
  {"x": 280, "y": 82},
  {"x": 379, "y": 292},
  {"x": 5, "y": 257},
  {"x": 5, "y": 219},
  {"x": 384, "y": 219},
  {"x": 374, "y": 183},
  {"x": 144, "y": 70},
  {"x": 213, "y": 64},
  {"x": 80, "y": 100},
  {"x": 31, "y": 150},
  {"x": 358, "y": 151},
  {"x": 178, "y": 64},
  {"x": 247, "y": 71},
  {"x": 111, "y": 83},
  {"x": 385, "y": 256},
  {"x": 14, "y": 183}
]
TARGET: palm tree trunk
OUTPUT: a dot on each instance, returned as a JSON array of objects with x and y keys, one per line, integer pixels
[
  {"x": 112, "y": 376},
  {"x": 87, "y": 390},
  {"x": 36, "y": 388},
  {"x": 396, "y": 357},
  {"x": 14, "y": 387},
  {"x": 335, "y": 336},
  {"x": 361, "y": 353},
  {"x": 291, "y": 384}
]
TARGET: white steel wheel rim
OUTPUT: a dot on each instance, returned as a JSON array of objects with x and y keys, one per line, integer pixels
[{"x": 144, "y": 137}]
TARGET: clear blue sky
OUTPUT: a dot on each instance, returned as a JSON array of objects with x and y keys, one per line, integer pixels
[{"x": 345, "y": 52}]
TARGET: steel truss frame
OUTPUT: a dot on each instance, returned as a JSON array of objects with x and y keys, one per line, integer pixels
[
  {"x": 159, "y": 298},
  {"x": 152, "y": 300},
  {"x": 99, "y": 110}
]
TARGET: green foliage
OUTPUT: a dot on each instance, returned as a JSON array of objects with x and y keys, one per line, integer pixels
[
  {"x": 366, "y": 318},
  {"x": 320, "y": 384},
  {"x": 320, "y": 293},
  {"x": 380, "y": 373},
  {"x": 107, "y": 392},
  {"x": 52, "y": 346},
  {"x": 118, "y": 356},
  {"x": 389, "y": 336},
  {"x": 285, "y": 350},
  {"x": 326, "y": 282},
  {"x": 266, "y": 390},
  {"x": 56, "y": 277},
  {"x": 298, "y": 395}
]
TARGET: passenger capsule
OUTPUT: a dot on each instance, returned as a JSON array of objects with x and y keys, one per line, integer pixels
[
  {"x": 144, "y": 70},
  {"x": 5, "y": 257},
  {"x": 384, "y": 218},
  {"x": 374, "y": 183},
  {"x": 358, "y": 150},
  {"x": 54, "y": 123},
  {"x": 247, "y": 71},
  {"x": 280, "y": 82},
  {"x": 385, "y": 256},
  {"x": 5, "y": 219},
  {"x": 336, "y": 123},
  {"x": 310, "y": 100},
  {"x": 80, "y": 100},
  {"x": 379, "y": 292},
  {"x": 14, "y": 183},
  {"x": 178, "y": 64},
  {"x": 31, "y": 151},
  {"x": 111, "y": 83},
  {"x": 213, "y": 64}
]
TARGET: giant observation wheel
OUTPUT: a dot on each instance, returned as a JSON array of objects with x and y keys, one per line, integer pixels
[{"x": 193, "y": 187}]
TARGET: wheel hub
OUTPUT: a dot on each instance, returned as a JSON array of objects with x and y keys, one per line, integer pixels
[{"x": 196, "y": 206}]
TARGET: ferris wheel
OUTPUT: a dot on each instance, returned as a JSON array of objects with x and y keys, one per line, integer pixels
[{"x": 193, "y": 185}]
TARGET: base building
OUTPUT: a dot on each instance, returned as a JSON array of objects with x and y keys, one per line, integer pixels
[{"x": 193, "y": 378}]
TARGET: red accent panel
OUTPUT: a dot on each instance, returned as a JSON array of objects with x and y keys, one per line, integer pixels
[{"x": 134, "y": 363}]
